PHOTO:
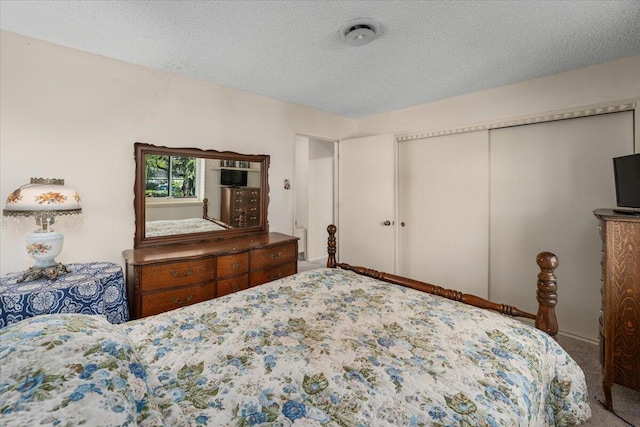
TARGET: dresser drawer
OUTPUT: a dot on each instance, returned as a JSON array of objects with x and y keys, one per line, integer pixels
[
  {"x": 174, "y": 274},
  {"x": 271, "y": 274},
  {"x": 276, "y": 255},
  {"x": 233, "y": 265},
  {"x": 164, "y": 301},
  {"x": 228, "y": 286}
]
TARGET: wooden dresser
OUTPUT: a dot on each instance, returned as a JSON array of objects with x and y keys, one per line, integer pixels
[
  {"x": 620, "y": 313},
  {"x": 236, "y": 201},
  {"x": 167, "y": 277}
]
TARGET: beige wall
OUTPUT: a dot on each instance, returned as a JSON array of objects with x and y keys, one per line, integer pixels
[
  {"x": 73, "y": 115},
  {"x": 602, "y": 83}
]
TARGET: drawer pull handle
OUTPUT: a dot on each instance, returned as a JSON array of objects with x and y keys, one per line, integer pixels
[
  {"x": 189, "y": 272},
  {"x": 275, "y": 276},
  {"x": 235, "y": 265},
  {"x": 182, "y": 301},
  {"x": 234, "y": 287},
  {"x": 275, "y": 256}
]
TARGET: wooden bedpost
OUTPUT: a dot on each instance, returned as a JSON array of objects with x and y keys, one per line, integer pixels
[
  {"x": 331, "y": 246},
  {"x": 205, "y": 208},
  {"x": 545, "y": 320},
  {"x": 547, "y": 293}
]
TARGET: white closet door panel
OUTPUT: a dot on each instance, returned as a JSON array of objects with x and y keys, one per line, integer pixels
[
  {"x": 444, "y": 203},
  {"x": 546, "y": 179},
  {"x": 366, "y": 199}
]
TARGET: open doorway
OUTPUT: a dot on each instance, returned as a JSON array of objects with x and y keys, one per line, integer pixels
[{"x": 314, "y": 189}]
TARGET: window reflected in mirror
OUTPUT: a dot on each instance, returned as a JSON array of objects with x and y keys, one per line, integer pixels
[{"x": 171, "y": 177}]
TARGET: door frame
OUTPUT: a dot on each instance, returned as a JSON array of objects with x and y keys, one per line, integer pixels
[{"x": 310, "y": 138}]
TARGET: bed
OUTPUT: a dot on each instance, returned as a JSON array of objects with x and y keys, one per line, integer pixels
[
  {"x": 340, "y": 346},
  {"x": 168, "y": 227}
]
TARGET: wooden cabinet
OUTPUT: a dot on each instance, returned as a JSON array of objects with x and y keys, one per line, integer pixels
[
  {"x": 233, "y": 273},
  {"x": 168, "y": 277},
  {"x": 620, "y": 313},
  {"x": 238, "y": 202},
  {"x": 273, "y": 263}
]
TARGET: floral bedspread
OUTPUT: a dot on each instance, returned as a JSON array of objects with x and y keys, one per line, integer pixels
[
  {"x": 322, "y": 348},
  {"x": 77, "y": 369},
  {"x": 167, "y": 227}
]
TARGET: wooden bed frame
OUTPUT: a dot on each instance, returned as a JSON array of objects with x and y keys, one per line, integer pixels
[
  {"x": 205, "y": 214},
  {"x": 547, "y": 296}
]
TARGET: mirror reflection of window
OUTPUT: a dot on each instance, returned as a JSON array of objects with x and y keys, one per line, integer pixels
[{"x": 172, "y": 177}]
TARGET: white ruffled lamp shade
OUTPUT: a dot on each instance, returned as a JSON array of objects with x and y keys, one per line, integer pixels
[{"x": 47, "y": 200}]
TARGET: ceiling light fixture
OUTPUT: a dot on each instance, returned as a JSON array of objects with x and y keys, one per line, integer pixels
[{"x": 360, "y": 32}]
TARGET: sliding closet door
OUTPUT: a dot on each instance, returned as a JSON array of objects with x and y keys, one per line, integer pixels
[
  {"x": 444, "y": 205},
  {"x": 366, "y": 202},
  {"x": 546, "y": 179}
]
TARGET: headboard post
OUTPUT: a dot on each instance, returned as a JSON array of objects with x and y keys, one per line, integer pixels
[
  {"x": 331, "y": 246},
  {"x": 547, "y": 293}
]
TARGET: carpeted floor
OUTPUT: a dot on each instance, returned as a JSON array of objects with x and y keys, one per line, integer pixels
[
  {"x": 310, "y": 265},
  {"x": 626, "y": 402}
]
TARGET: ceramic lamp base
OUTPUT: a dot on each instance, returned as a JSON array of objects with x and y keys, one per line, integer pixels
[{"x": 44, "y": 247}]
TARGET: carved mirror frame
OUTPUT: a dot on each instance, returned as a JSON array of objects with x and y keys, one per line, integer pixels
[{"x": 139, "y": 202}]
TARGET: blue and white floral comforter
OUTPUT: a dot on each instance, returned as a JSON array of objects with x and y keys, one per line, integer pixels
[{"x": 322, "y": 348}]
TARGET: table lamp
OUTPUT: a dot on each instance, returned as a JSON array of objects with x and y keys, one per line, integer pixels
[{"x": 46, "y": 200}]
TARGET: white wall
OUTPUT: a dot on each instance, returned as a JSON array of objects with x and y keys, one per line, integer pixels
[
  {"x": 69, "y": 114},
  {"x": 321, "y": 175},
  {"x": 314, "y": 190},
  {"x": 301, "y": 181},
  {"x": 611, "y": 81},
  {"x": 182, "y": 210},
  {"x": 553, "y": 211}
]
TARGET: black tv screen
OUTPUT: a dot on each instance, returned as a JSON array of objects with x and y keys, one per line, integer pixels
[
  {"x": 626, "y": 170},
  {"x": 233, "y": 178}
]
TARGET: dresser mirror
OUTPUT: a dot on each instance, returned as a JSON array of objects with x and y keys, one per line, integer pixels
[{"x": 188, "y": 194}]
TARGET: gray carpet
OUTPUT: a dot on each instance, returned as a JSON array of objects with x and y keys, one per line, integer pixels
[{"x": 626, "y": 402}]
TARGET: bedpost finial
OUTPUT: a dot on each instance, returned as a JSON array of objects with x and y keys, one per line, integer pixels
[
  {"x": 547, "y": 261},
  {"x": 205, "y": 208},
  {"x": 331, "y": 246},
  {"x": 546, "y": 319}
]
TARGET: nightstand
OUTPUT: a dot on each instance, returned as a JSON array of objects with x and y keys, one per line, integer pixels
[{"x": 91, "y": 288}]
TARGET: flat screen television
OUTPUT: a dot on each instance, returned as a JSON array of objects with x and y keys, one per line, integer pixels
[
  {"x": 626, "y": 171},
  {"x": 233, "y": 178}
]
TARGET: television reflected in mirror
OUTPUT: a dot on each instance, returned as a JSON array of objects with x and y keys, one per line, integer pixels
[
  {"x": 178, "y": 194},
  {"x": 233, "y": 177}
]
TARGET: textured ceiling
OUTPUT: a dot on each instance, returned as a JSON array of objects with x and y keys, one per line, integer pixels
[{"x": 292, "y": 50}]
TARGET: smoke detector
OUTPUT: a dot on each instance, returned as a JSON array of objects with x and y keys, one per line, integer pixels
[{"x": 360, "y": 32}]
